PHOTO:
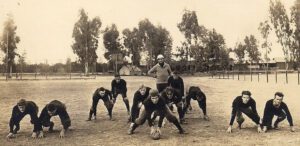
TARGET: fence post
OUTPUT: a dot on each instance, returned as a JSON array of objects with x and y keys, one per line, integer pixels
[
  {"x": 267, "y": 76},
  {"x": 239, "y": 75},
  {"x": 258, "y": 76},
  {"x": 223, "y": 74},
  {"x": 276, "y": 76},
  {"x": 251, "y": 75},
  {"x": 227, "y": 74},
  {"x": 286, "y": 76}
]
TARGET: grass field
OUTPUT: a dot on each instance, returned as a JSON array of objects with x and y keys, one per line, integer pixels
[{"x": 76, "y": 94}]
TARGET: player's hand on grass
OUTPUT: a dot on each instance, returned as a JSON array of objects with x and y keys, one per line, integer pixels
[
  {"x": 41, "y": 134},
  {"x": 62, "y": 133},
  {"x": 265, "y": 129},
  {"x": 292, "y": 129},
  {"x": 206, "y": 118},
  {"x": 34, "y": 135},
  {"x": 229, "y": 130},
  {"x": 152, "y": 130},
  {"x": 259, "y": 130},
  {"x": 10, "y": 135}
]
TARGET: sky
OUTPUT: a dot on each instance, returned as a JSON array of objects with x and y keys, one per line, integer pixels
[{"x": 45, "y": 27}]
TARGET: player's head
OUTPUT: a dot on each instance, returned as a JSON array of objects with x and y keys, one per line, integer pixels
[
  {"x": 175, "y": 74},
  {"x": 21, "y": 105},
  {"x": 160, "y": 58},
  {"x": 278, "y": 97},
  {"x": 142, "y": 89},
  {"x": 51, "y": 108},
  {"x": 117, "y": 78},
  {"x": 246, "y": 95},
  {"x": 154, "y": 96},
  {"x": 101, "y": 91},
  {"x": 169, "y": 92}
]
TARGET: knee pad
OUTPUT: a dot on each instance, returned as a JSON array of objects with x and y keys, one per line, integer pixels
[{"x": 240, "y": 119}]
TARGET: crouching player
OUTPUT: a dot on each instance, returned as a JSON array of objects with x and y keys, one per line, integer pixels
[
  {"x": 151, "y": 104},
  {"x": 106, "y": 96},
  {"x": 54, "y": 108},
  {"x": 19, "y": 111},
  {"x": 276, "y": 107},
  {"x": 196, "y": 94},
  {"x": 247, "y": 105},
  {"x": 171, "y": 97},
  {"x": 138, "y": 99}
]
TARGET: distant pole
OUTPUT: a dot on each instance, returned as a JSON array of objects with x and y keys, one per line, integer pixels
[
  {"x": 35, "y": 70},
  {"x": 286, "y": 76},
  {"x": 46, "y": 69},
  {"x": 276, "y": 76},
  {"x": 7, "y": 57},
  {"x": 70, "y": 66},
  {"x": 267, "y": 73}
]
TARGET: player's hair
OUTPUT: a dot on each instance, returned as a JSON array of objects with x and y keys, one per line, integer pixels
[
  {"x": 101, "y": 89},
  {"x": 169, "y": 90},
  {"x": 246, "y": 93},
  {"x": 280, "y": 94},
  {"x": 142, "y": 86},
  {"x": 21, "y": 102},
  {"x": 51, "y": 107}
]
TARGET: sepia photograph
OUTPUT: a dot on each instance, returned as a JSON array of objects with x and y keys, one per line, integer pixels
[{"x": 141, "y": 72}]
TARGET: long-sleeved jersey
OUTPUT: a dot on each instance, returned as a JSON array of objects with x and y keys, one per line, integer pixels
[{"x": 270, "y": 110}]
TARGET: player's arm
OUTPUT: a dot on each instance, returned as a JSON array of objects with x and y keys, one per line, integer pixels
[
  {"x": 233, "y": 114},
  {"x": 289, "y": 117},
  {"x": 12, "y": 122}
]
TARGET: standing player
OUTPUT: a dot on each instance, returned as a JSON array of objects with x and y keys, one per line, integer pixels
[
  {"x": 162, "y": 71},
  {"x": 19, "y": 111},
  {"x": 55, "y": 108},
  {"x": 118, "y": 86},
  {"x": 151, "y": 104},
  {"x": 106, "y": 96},
  {"x": 247, "y": 105},
  {"x": 138, "y": 99},
  {"x": 278, "y": 108},
  {"x": 195, "y": 93},
  {"x": 171, "y": 97}
]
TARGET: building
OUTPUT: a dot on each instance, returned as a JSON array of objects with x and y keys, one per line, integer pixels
[{"x": 130, "y": 70}]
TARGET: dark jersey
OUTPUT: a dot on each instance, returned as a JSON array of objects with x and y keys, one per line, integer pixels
[
  {"x": 138, "y": 97},
  {"x": 238, "y": 104},
  {"x": 176, "y": 84},
  {"x": 196, "y": 94},
  {"x": 150, "y": 106},
  {"x": 176, "y": 98},
  {"x": 270, "y": 110},
  {"x": 61, "y": 112},
  {"x": 118, "y": 87},
  {"x": 107, "y": 96},
  {"x": 30, "y": 108}
]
